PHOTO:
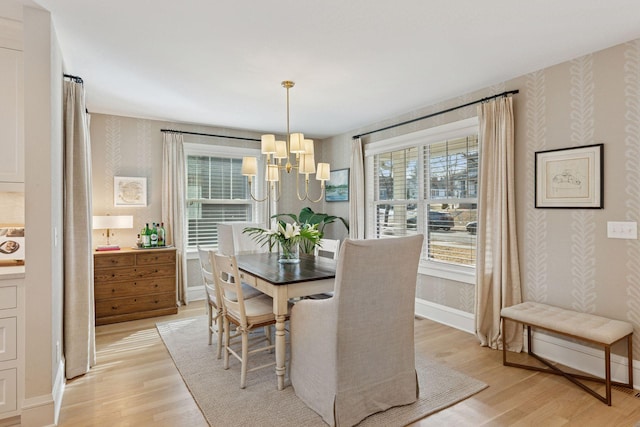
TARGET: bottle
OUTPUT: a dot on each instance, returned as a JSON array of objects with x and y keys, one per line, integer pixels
[
  {"x": 146, "y": 237},
  {"x": 161, "y": 235},
  {"x": 139, "y": 242},
  {"x": 154, "y": 236}
]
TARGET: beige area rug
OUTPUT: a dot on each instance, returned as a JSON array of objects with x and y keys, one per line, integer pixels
[{"x": 223, "y": 403}]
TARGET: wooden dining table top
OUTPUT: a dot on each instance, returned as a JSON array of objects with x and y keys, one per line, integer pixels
[{"x": 266, "y": 267}]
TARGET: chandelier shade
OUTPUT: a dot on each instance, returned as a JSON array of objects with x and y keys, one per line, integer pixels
[{"x": 274, "y": 154}]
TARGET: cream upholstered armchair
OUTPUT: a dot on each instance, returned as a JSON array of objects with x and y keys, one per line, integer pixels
[{"x": 353, "y": 355}]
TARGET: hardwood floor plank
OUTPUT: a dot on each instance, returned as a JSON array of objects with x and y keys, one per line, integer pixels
[{"x": 135, "y": 383}]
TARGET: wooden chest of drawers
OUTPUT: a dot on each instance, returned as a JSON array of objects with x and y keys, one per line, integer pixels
[{"x": 133, "y": 284}]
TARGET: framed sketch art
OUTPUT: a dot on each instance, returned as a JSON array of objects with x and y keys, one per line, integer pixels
[
  {"x": 337, "y": 188},
  {"x": 570, "y": 177},
  {"x": 129, "y": 191}
]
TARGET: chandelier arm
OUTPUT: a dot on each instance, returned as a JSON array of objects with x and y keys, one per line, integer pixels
[
  {"x": 254, "y": 197},
  {"x": 306, "y": 194},
  {"x": 321, "y": 194}
]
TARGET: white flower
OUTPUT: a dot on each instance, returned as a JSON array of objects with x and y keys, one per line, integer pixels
[{"x": 291, "y": 230}]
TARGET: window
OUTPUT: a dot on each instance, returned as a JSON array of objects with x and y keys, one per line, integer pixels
[
  {"x": 427, "y": 182},
  {"x": 216, "y": 191}
]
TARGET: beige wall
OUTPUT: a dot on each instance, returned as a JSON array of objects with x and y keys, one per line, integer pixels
[{"x": 566, "y": 257}]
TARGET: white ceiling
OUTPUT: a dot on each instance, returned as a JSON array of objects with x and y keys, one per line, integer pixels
[{"x": 354, "y": 62}]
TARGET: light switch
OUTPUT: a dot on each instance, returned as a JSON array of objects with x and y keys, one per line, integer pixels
[{"x": 622, "y": 230}]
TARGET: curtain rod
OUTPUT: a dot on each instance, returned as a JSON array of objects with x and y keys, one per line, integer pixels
[
  {"x": 448, "y": 110},
  {"x": 74, "y": 78},
  {"x": 208, "y": 134}
]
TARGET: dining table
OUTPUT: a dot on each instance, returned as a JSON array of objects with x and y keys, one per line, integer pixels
[{"x": 284, "y": 282}]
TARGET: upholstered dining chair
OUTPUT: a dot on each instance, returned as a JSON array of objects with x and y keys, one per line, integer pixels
[
  {"x": 232, "y": 240},
  {"x": 353, "y": 355},
  {"x": 245, "y": 314}
]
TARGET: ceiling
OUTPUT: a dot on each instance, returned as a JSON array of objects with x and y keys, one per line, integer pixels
[{"x": 354, "y": 62}]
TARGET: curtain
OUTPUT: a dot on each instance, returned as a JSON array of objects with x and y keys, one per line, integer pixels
[
  {"x": 356, "y": 186},
  {"x": 78, "y": 311},
  {"x": 498, "y": 271},
  {"x": 173, "y": 201}
]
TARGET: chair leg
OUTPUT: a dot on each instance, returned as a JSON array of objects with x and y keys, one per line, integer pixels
[
  {"x": 245, "y": 359},
  {"x": 226, "y": 343},
  {"x": 210, "y": 317},
  {"x": 221, "y": 332}
]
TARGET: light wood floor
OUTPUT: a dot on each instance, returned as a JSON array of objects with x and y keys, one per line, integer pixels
[{"x": 136, "y": 384}]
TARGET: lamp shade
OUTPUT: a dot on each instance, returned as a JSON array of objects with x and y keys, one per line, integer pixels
[
  {"x": 307, "y": 164},
  {"x": 308, "y": 146},
  {"x": 324, "y": 174},
  {"x": 103, "y": 222},
  {"x": 281, "y": 150},
  {"x": 268, "y": 144},
  {"x": 295, "y": 143},
  {"x": 249, "y": 166}
]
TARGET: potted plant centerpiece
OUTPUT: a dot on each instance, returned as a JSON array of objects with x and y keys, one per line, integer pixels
[{"x": 303, "y": 234}]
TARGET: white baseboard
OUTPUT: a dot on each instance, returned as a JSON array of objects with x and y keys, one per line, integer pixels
[
  {"x": 446, "y": 315},
  {"x": 58, "y": 390},
  {"x": 196, "y": 293},
  {"x": 575, "y": 355},
  {"x": 38, "y": 411}
]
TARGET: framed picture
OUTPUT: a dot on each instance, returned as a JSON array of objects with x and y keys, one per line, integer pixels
[
  {"x": 129, "y": 191},
  {"x": 337, "y": 188},
  {"x": 570, "y": 177}
]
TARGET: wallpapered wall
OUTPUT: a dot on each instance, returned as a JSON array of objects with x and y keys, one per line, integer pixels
[
  {"x": 131, "y": 147},
  {"x": 566, "y": 258}
]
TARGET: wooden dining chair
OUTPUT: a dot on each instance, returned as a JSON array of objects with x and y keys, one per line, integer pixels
[
  {"x": 214, "y": 306},
  {"x": 328, "y": 248},
  {"x": 245, "y": 314}
]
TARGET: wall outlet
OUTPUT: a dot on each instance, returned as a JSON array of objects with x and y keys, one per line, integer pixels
[{"x": 622, "y": 230}]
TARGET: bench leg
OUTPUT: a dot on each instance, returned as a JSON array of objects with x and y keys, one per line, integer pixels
[{"x": 574, "y": 378}]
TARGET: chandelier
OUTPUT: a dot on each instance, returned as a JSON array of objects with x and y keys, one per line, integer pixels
[{"x": 277, "y": 158}]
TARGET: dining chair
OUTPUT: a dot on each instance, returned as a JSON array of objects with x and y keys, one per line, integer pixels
[
  {"x": 245, "y": 314},
  {"x": 328, "y": 248},
  {"x": 214, "y": 304},
  {"x": 233, "y": 241},
  {"x": 353, "y": 355}
]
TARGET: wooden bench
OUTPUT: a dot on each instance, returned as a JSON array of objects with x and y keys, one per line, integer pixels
[{"x": 582, "y": 326}]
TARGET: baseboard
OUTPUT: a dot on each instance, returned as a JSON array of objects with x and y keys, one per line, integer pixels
[
  {"x": 58, "y": 390},
  {"x": 569, "y": 353},
  {"x": 196, "y": 293},
  {"x": 446, "y": 315},
  {"x": 38, "y": 411}
]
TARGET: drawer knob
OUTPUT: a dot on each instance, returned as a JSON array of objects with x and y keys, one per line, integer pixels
[{"x": 114, "y": 307}]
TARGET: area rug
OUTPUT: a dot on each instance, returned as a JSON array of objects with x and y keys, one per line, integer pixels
[{"x": 217, "y": 391}]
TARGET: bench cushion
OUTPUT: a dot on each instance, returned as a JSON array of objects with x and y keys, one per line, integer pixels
[{"x": 582, "y": 325}]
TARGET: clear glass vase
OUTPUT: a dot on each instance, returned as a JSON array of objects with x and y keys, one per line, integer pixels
[{"x": 289, "y": 253}]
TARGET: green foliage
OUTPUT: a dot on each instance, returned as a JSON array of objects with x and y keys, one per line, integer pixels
[{"x": 307, "y": 218}]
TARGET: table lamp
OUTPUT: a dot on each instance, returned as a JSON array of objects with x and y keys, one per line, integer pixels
[{"x": 109, "y": 222}]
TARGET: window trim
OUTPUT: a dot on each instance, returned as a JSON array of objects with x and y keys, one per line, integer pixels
[
  {"x": 212, "y": 150},
  {"x": 448, "y": 131}
]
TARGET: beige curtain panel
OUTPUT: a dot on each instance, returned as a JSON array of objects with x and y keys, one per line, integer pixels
[
  {"x": 356, "y": 187},
  {"x": 78, "y": 312},
  {"x": 173, "y": 210},
  {"x": 498, "y": 270}
]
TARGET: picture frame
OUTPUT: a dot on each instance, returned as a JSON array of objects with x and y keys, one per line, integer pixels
[
  {"x": 129, "y": 191},
  {"x": 337, "y": 187},
  {"x": 570, "y": 177}
]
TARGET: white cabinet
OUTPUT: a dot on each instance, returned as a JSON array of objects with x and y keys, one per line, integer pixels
[
  {"x": 11, "y": 345},
  {"x": 11, "y": 117}
]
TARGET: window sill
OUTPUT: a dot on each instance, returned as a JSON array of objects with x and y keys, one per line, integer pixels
[{"x": 448, "y": 271}]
